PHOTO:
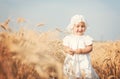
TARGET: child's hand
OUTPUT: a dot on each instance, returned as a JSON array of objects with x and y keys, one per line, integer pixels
[
  {"x": 78, "y": 51},
  {"x": 85, "y": 50},
  {"x": 68, "y": 50}
]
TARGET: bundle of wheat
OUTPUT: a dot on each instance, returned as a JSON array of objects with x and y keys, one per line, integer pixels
[
  {"x": 105, "y": 59},
  {"x": 36, "y": 52}
]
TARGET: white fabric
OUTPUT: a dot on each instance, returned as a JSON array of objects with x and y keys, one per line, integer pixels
[{"x": 75, "y": 64}]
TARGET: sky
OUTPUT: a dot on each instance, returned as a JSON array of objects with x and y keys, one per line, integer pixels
[{"x": 102, "y": 15}]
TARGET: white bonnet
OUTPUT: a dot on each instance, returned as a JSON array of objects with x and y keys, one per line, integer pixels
[{"x": 75, "y": 20}]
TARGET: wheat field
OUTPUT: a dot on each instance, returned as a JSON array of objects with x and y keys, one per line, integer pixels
[{"x": 28, "y": 54}]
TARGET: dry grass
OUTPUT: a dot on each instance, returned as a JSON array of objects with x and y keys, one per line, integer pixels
[
  {"x": 106, "y": 59},
  {"x": 5, "y": 26},
  {"x": 28, "y": 54},
  {"x": 35, "y": 49}
]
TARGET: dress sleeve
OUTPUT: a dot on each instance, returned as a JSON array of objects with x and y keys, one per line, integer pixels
[
  {"x": 66, "y": 41},
  {"x": 88, "y": 40}
]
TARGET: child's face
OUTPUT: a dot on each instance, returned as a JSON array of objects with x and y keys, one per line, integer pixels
[{"x": 79, "y": 29}]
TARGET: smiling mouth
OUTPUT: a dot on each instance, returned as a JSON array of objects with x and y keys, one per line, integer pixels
[{"x": 79, "y": 31}]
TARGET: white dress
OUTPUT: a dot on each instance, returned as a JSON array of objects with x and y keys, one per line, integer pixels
[{"x": 78, "y": 64}]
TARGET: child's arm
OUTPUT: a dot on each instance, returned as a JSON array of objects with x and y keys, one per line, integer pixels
[
  {"x": 68, "y": 50},
  {"x": 85, "y": 50}
]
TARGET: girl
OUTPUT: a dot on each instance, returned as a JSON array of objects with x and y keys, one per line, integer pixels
[{"x": 77, "y": 64}]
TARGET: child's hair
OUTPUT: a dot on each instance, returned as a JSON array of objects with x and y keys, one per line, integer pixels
[{"x": 74, "y": 21}]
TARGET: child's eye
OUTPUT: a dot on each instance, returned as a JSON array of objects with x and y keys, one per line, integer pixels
[{"x": 82, "y": 26}]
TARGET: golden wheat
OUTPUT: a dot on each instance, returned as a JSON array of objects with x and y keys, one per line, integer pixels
[{"x": 43, "y": 53}]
